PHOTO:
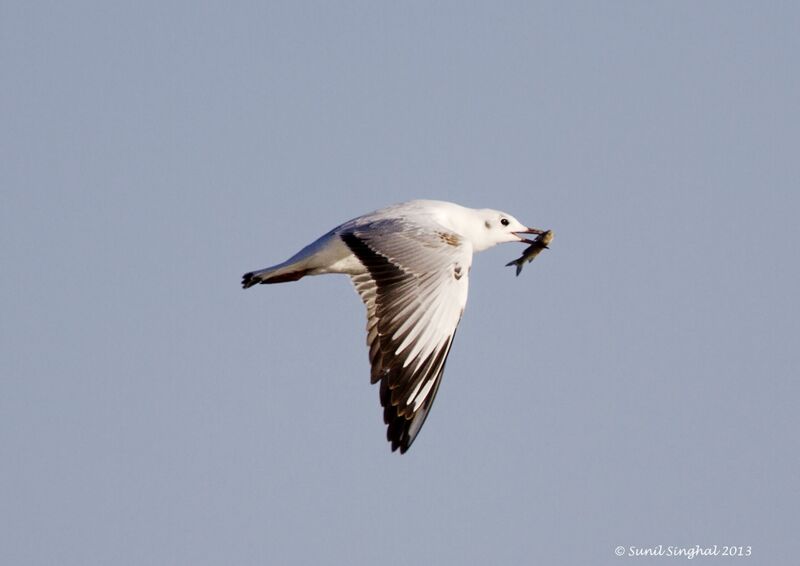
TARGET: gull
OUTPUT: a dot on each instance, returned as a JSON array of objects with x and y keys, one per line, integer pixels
[{"x": 410, "y": 264}]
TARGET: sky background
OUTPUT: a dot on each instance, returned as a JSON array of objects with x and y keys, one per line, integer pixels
[{"x": 637, "y": 385}]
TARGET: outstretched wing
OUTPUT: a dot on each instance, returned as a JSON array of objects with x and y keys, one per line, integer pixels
[{"x": 415, "y": 290}]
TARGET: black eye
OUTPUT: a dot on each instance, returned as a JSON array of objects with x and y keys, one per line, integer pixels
[{"x": 504, "y": 221}]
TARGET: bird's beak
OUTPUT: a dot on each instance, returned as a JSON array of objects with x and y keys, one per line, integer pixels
[{"x": 529, "y": 231}]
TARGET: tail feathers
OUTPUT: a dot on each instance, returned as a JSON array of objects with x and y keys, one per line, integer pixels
[{"x": 272, "y": 275}]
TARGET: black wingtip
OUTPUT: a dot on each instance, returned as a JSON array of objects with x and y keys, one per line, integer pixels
[{"x": 248, "y": 280}]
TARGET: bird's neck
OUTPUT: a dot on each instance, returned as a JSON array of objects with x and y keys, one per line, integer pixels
[{"x": 467, "y": 223}]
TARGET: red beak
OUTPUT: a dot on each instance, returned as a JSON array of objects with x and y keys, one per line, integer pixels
[{"x": 529, "y": 231}]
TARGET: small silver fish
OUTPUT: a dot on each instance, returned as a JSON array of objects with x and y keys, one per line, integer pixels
[{"x": 541, "y": 242}]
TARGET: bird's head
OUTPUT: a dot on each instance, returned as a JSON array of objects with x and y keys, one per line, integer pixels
[{"x": 488, "y": 228}]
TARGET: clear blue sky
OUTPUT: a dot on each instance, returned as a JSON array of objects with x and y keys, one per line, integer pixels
[{"x": 637, "y": 385}]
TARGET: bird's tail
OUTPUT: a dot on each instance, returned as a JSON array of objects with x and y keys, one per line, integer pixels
[
  {"x": 280, "y": 273},
  {"x": 313, "y": 259}
]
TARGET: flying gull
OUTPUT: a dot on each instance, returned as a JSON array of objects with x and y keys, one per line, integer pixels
[{"x": 410, "y": 264}]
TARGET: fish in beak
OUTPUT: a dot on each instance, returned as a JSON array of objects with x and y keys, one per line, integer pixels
[{"x": 536, "y": 246}]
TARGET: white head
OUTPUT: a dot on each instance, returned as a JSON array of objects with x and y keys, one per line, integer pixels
[{"x": 486, "y": 228}]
